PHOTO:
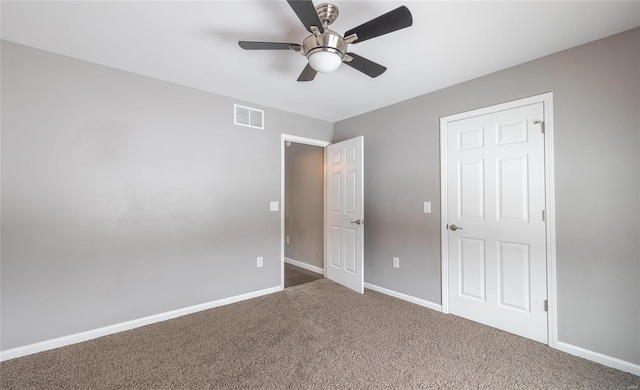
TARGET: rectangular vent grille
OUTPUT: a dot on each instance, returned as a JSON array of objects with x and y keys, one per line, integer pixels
[{"x": 247, "y": 116}]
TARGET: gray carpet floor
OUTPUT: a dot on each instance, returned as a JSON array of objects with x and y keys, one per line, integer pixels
[{"x": 317, "y": 335}]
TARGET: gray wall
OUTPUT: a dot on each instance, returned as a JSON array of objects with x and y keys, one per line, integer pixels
[
  {"x": 124, "y": 196},
  {"x": 596, "y": 91},
  {"x": 304, "y": 203}
]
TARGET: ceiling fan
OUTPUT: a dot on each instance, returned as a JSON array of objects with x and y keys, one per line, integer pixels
[{"x": 326, "y": 49}]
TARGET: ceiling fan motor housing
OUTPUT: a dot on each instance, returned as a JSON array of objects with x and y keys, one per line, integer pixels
[{"x": 329, "y": 41}]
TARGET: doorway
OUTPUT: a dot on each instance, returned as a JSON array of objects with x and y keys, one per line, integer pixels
[
  {"x": 343, "y": 215},
  {"x": 303, "y": 210},
  {"x": 497, "y": 216}
]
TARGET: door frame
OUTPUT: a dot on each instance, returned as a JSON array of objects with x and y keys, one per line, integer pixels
[
  {"x": 547, "y": 100},
  {"x": 306, "y": 141}
]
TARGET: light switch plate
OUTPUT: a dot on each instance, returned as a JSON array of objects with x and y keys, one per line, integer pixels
[
  {"x": 427, "y": 207},
  {"x": 274, "y": 205}
]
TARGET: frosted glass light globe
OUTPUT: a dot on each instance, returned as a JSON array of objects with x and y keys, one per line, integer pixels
[{"x": 324, "y": 61}]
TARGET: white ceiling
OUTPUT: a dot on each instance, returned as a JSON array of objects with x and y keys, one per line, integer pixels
[{"x": 195, "y": 44}]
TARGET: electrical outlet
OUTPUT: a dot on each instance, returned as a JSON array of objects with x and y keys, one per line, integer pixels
[
  {"x": 427, "y": 207},
  {"x": 288, "y": 240},
  {"x": 396, "y": 262},
  {"x": 274, "y": 205},
  {"x": 259, "y": 262}
]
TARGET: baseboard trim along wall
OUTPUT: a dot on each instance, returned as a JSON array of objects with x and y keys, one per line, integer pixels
[
  {"x": 404, "y": 297},
  {"x": 306, "y": 266},
  {"x": 597, "y": 357},
  {"x": 121, "y": 327}
]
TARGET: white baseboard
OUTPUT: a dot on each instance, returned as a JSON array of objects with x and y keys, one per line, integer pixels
[
  {"x": 404, "y": 297},
  {"x": 306, "y": 266},
  {"x": 121, "y": 327},
  {"x": 111, "y": 329},
  {"x": 599, "y": 358}
]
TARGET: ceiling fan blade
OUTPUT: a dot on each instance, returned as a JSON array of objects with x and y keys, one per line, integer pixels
[
  {"x": 247, "y": 45},
  {"x": 308, "y": 74},
  {"x": 365, "y": 66},
  {"x": 392, "y": 21},
  {"x": 307, "y": 14}
]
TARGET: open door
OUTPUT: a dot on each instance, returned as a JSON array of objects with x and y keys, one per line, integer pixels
[{"x": 344, "y": 234}]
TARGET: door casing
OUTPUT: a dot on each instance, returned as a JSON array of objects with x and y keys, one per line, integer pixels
[{"x": 547, "y": 100}]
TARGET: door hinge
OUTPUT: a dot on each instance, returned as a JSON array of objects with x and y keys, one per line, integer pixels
[
  {"x": 541, "y": 123},
  {"x": 546, "y": 305},
  {"x": 544, "y": 215}
]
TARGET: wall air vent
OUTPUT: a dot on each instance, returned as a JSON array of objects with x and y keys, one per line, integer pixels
[{"x": 247, "y": 116}]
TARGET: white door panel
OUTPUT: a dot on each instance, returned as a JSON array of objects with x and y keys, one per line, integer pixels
[
  {"x": 514, "y": 276},
  {"x": 345, "y": 195},
  {"x": 472, "y": 268},
  {"x": 471, "y": 189},
  {"x": 496, "y": 196}
]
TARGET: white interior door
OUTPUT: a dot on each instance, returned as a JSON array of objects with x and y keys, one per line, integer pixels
[
  {"x": 345, "y": 213},
  {"x": 495, "y": 215}
]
